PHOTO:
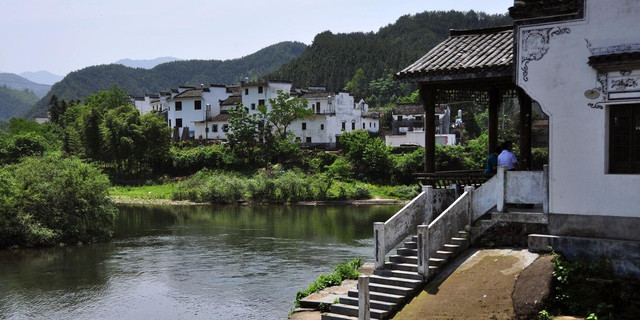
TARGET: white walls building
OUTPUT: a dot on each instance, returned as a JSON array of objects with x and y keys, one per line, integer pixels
[
  {"x": 190, "y": 106},
  {"x": 332, "y": 115},
  {"x": 583, "y": 68}
]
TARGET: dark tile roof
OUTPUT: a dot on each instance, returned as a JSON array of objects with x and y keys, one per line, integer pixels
[
  {"x": 223, "y": 117},
  {"x": 615, "y": 61},
  {"x": 317, "y": 94},
  {"x": 231, "y": 101},
  {"x": 466, "y": 54},
  {"x": 547, "y": 10},
  {"x": 189, "y": 94},
  {"x": 371, "y": 114}
]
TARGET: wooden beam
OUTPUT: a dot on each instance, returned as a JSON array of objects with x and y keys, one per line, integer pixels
[
  {"x": 427, "y": 98},
  {"x": 494, "y": 113},
  {"x": 525, "y": 130}
]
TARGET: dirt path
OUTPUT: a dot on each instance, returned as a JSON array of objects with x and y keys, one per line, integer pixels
[{"x": 480, "y": 288}]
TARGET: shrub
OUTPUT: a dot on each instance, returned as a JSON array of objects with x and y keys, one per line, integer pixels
[
  {"x": 539, "y": 157},
  {"x": 51, "y": 200},
  {"x": 343, "y": 271},
  {"x": 293, "y": 186},
  {"x": 224, "y": 188}
]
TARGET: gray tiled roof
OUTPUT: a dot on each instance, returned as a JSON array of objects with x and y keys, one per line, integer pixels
[
  {"x": 465, "y": 54},
  {"x": 231, "y": 101},
  {"x": 317, "y": 94},
  {"x": 407, "y": 109},
  {"x": 190, "y": 94},
  {"x": 223, "y": 117}
]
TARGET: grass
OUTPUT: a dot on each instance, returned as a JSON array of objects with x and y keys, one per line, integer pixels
[
  {"x": 343, "y": 271},
  {"x": 161, "y": 191},
  {"x": 339, "y": 190}
]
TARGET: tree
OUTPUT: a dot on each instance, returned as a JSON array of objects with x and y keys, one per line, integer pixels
[
  {"x": 245, "y": 138},
  {"x": 368, "y": 156},
  {"x": 358, "y": 85},
  {"x": 49, "y": 200},
  {"x": 285, "y": 110}
]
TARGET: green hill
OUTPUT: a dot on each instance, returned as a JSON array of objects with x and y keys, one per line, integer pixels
[
  {"x": 137, "y": 81},
  {"x": 333, "y": 59},
  {"x": 14, "y": 103},
  {"x": 16, "y": 82}
]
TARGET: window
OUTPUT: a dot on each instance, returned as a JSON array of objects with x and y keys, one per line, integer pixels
[
  {"x": 225, "y": 128},
  {"x": 419, "y": 118},
  {"x": 179, "y": 122},
  {"x": 624, "y": 139},
  {"x": 261, "y": 102},
  {"x": 169, "y": 123},
  {"x": 317, "y": 107},
  {"x": 246, "y": 92},
  {"x": 364, "y": 126},
  {"x": 308, "y": 139},
  {"x": 344, "y": 125},
  {"x": 353, "y": 125},
  {"x": 253, "y": 106},
  {"x": 369, "y": 124},
  {"x": 178, "y": 105},
  {"x": 304, "y": 126},
  {"x": 399, "y": 118},
  {"x": 197, "y": 105},
  {"x": 322, "y": 127},
  {"x": 214, "y": 128},
  {"x": 260, "y": 90}
]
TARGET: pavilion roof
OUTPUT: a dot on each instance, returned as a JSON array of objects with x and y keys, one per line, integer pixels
[{"x": 466, "y": 54}]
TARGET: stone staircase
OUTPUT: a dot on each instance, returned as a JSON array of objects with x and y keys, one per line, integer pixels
[{"x": 398, "y": 282}]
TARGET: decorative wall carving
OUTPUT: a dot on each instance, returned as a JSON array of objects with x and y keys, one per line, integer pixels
[{"x": 535, "y": 44}]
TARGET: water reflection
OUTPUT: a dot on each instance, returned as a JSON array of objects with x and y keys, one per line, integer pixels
[{"x": 195, "y": 262}]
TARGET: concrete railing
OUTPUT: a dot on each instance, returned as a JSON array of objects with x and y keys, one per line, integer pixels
[
  {"x": 387, "y": 235},
  {"x": 433, "y": 236},
  {"x": 422, "y": 209}
]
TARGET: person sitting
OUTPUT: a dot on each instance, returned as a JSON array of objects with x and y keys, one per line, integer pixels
[
  {"x": 491, "y": 165},
  {"x": 507, "y": 158}
]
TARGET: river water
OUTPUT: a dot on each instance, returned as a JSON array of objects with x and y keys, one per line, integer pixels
[{"x": 189, "y": 262}]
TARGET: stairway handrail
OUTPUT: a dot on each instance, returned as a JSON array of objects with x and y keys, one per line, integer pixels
[{"x": 387, "y": 235}]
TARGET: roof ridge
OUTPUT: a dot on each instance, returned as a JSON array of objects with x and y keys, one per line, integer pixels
[{"x": 462, "y": 32}]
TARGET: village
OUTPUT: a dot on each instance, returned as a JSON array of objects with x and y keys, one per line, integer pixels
[{"x": 500, "y": 180}]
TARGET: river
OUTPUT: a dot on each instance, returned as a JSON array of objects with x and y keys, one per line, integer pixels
[{"x": 189, "y": 262}]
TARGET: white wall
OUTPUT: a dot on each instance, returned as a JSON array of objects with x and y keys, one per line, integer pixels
[
  {"x": 417, "y": 138},
  {"x": 579, "y": 182}
]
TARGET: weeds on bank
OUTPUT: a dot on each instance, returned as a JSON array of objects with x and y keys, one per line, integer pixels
[
  {"x": 343, "y": 271},
  {"x": 587, "y": 289}
]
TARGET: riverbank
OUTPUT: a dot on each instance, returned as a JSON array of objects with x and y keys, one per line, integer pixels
[{"x": 151, "y": 201}]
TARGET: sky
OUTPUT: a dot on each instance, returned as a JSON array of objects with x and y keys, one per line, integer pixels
[{"x": 61, "y": 36}]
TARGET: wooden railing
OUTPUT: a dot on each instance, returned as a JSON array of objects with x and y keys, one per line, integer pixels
[{"x": 461, "y": 178}]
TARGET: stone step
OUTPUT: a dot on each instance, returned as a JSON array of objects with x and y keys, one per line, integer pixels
[
  {"x": 414, "y": 238},
  {"x": 407, "y": 252},
  {"x": 373, "y": 304},
  {"x": 401, "y": 266},
  {"x": 398, "y": 274},
  {"x": 444, "y": 254},
  {"x": 379, "y": 296},
  {"x": 335, "y": 316},
  {"x": 398, "y": 282},
  {"x": 455, "y": 248},
  {"x": 384, "y": 288},
  {"x": 411, "y": 244},
  {"x": 353, "y": 311},
  {"x": 463, "y": 234},
  {"x": 457, "y": 240},
  {"x": 403, "y": 259},
  {"x": 437, "y": 262}
]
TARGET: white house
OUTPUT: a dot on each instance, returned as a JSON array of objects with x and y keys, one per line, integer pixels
[
  {"x": 407, "y": 126},
  {"x": 190, "y": 109},
  {"x": 580, "y": 60},
  {"x": 333, "y": 114}
]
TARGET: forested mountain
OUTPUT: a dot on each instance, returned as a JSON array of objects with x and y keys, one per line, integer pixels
[
  {"x": 14, "y": 103},
  {"x": 19, "y": 83},
  {"x": 333, "y": 59},
  {"x": 82, "y": 83},
  {"x": 145, "y": 64}
]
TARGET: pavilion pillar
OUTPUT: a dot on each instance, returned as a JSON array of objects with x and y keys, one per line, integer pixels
[
  {"x": 494, "y": 114},
  {"x": 428, "y": 99},
  {"x": 525, "y": 129}
]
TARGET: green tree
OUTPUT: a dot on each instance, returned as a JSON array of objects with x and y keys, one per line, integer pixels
[
  {"x": 247, "y": 138},
  {"x": 285, "y": 110},
  {"x": 120, "y": 132},
  {"x": 369, "y": 157},
  {"x": 49, "y": 200},
  {"x": 358, "y": 85}
]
